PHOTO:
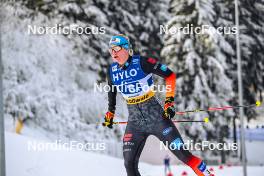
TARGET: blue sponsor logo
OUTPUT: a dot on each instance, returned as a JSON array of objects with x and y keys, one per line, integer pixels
[
  {"x": 202, "y": 167},
  {"x": 167, "y": 131},
  {"x": 135, "y": 61},
  {"x": 123, "y": 75},
  {"x": 163, "y": 67},
  {"x": 114, "y": 68},
  {"x": 177, "y": 143}
]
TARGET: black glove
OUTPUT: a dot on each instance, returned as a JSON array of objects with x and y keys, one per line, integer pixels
[
  {"x": 169, "y": 109},
  {"x": 109, "y": 116}
]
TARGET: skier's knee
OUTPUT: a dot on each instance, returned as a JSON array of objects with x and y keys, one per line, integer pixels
[{"x": 184, "y": 155}]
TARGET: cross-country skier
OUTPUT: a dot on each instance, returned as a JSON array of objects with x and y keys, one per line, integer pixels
[
  {"x": 132, "y": 76},
  {"x": 167, "y": 165}
]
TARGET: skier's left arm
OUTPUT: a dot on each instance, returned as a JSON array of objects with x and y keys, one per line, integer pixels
[{"x": 151, "y": 65}]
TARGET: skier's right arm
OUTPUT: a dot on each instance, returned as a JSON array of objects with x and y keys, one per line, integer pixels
[{"x": 109, "y": 115}]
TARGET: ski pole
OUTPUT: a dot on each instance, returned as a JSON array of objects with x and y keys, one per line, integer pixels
[
  {"x": 205, "y": 120},
  {"x": 257, "y": 104}
]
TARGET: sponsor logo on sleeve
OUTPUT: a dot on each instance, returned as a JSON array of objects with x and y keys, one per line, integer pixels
[
  {"x": 166, "y": 131},
  {"x": 163, "y": 67},
  {"x": 152, "y": 60},
  {"x": 177, "y": 143}
]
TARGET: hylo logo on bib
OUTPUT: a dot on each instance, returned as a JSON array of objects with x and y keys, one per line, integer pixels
[{"x": 125, "y": 74}]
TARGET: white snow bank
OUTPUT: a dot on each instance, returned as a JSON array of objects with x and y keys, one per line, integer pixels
[{"x": 20, "y": 161}]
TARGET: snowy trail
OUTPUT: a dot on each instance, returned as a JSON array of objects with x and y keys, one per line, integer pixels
[{"x": 22, "y": 162}]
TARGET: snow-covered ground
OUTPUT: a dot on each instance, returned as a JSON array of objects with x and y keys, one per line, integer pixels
[{"x": 24, "y": 162}]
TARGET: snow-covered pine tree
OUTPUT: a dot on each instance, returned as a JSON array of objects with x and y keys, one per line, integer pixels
[
  {"x": 50, "y": 80},
  {"x": 251, "y": 42},
  {"x": 92, "y": 49},
  {"x": 152, "y": 14},
  {"x": 200, "y": 61},
  {"x": 139, "y": 20},
  {"x": 252, "y": 47}
]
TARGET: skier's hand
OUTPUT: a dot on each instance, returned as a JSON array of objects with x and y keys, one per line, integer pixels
[
  {"x": 169, "y": 109},
  {"x": 109, "y": 116}
]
